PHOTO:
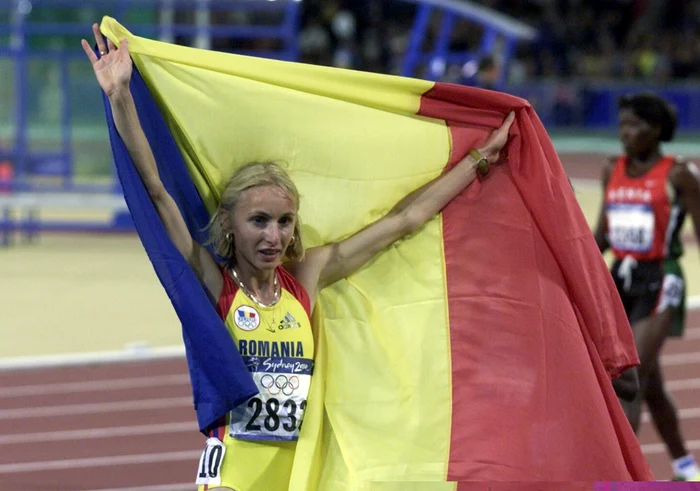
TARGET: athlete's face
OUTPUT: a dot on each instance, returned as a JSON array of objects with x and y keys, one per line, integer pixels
[
  {"x": 637, "y": 136},
  {"x": 263, "y": 226}
]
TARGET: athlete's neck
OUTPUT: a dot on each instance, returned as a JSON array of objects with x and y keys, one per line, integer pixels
[
  {"x": 644, "y": 161},
  {"x": 261, "y": 284}
]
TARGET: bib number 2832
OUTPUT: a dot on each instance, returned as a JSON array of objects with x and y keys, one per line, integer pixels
[{"x": 210, "y": 463}]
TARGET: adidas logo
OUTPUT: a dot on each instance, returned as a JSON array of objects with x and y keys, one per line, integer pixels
[{"x": 288, "y": 322}]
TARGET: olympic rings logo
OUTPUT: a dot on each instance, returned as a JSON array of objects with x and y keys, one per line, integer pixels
[
  {"x": 245, "y": 323},
  {"x": 280, "y": 383}
]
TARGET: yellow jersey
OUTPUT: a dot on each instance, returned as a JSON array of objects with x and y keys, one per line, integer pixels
[{"x": 253, "y": 447}]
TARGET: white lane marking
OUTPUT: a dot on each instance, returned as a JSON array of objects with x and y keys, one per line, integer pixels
[
  {"x": 680, "y": 359},
  {"x": 652, "y": 448},
  {"x": 93, "y": 358},
  {"x": 139, "y": 353},
  {"x": 92, "y": 433},
  {"x": 111, "y": 461},
  {"x": 683, "y": 384},
  {"x": 101, "y": 407},
  {"x": 689, "y": 413},
  {"x": 162, "y": 487},
  {"x": 136, "y": 382}
]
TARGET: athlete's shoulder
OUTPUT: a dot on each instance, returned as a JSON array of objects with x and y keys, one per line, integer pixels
[
  {"x": 293, "y": 286},
  {"x": 683, "y": 166},
  {"x": 681, "y": 161},
  {"x": 609, "y": 165},
  {"x": 684, "y": 176},
  {"x": 228, "y": 292},
  {"x": 612, "y": 160}
]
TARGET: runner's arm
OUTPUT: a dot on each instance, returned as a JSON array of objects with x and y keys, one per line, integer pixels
[
  {"x": 323, "y": 266},
  {"x": 684, "y": 177},
  {"x": 601, "y": 228},
  {"x": 113, "y": 72}
]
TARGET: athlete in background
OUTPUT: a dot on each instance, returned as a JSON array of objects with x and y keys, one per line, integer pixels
[{"x": 646, "y": 197}]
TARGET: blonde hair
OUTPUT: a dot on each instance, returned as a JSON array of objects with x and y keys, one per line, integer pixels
[{"x": 250, "y": 175}]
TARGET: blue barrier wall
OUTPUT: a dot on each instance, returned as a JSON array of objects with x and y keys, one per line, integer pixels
[
  {"x": 592, "y": 105},
  {"x": 52, "y": 128},
  {"x": 51, "y": 118}
]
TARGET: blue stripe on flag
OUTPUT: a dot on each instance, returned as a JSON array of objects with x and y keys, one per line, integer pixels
[{"x": 220, "y": 380}]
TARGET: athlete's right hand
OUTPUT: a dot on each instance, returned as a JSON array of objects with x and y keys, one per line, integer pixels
[{"x": 113, "y": 68}]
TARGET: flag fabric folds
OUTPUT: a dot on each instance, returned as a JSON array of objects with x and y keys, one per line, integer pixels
[{"x": 479, "y": 349}]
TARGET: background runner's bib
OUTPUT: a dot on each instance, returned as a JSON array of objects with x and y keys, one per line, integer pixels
[
  {"x": 631, "y": 227},
  {"x": 277, "y": 346}
]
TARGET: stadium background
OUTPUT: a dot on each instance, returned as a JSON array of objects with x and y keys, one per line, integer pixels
[{"x": 77, "y": 293}]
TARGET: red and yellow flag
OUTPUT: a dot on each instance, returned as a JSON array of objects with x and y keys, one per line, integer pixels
[{"x": 479, "y": 349}]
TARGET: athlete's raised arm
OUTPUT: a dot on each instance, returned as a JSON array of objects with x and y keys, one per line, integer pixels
[
  {"x": 113, "y": 72},
  {"x": 327, "y": 264}
]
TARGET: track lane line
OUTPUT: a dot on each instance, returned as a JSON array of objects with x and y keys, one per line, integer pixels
[
  {"x": 101, "y": 407},
  {"x": 164, "y": 487},
  {"x": 88, "y": 434},
  {"x": 95, "y": 385},
  {"x": 110, "y": 461}
]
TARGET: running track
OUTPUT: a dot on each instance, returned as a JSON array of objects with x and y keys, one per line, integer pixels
[{"x": 131, "y": 426}]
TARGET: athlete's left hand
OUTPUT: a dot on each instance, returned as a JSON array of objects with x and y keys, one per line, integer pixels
[{"x": 491, "y": 149}]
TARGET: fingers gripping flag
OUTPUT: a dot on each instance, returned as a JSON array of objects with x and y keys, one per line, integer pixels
[{"x": 479, "y": 349}]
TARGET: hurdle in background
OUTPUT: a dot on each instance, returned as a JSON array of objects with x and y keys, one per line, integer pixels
[{"x": 21, "y": 214}]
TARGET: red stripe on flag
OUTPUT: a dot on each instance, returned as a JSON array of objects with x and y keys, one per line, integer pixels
[
  {"x": 528, "y": 403},
  {"x": 481, "y": 369}
]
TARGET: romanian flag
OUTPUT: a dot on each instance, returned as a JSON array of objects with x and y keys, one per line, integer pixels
[{"x": 479, "y": 349}]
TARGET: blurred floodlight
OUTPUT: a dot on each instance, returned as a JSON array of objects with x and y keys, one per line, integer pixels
[
  {"x": 437, "y": 66},
  {"x": 24, "y": 7},
  {"x": 470, "y": 68},
  {"x": 343, "y": 25}
]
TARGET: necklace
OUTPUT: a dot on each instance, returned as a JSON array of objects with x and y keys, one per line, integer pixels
[{"x": 250, "y": 295}]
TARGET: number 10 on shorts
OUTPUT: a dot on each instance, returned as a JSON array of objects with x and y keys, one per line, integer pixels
[{"x": 210, "y": 463}]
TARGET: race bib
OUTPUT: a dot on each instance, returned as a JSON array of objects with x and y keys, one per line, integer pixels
[
  {"x": 631, "y": 227},
  {"x": 210, "y": 463},
  {"x": 277, "y": 411}
]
